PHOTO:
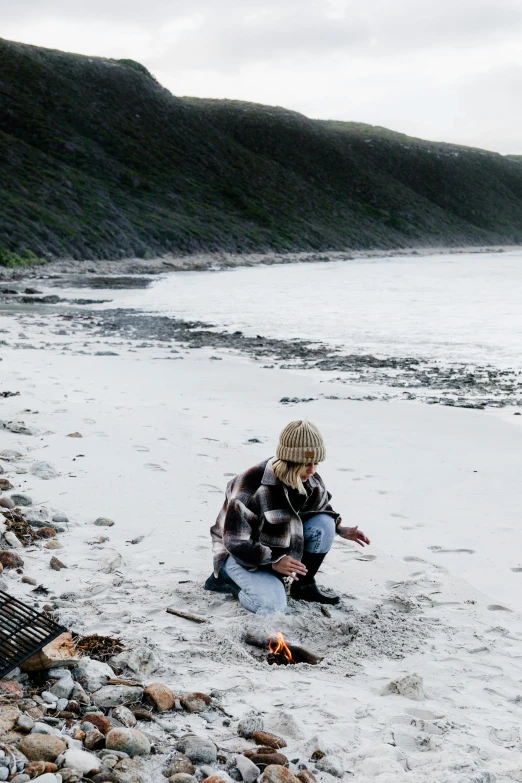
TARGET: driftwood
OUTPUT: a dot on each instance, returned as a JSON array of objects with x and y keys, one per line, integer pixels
[
  {"x": 299, "y": 654},
  {"x": 187, "y": 616}
]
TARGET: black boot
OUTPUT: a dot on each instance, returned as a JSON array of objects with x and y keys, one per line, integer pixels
[
  {"x": 305, "y": 588},
  {"x": 222, "y": 584}
]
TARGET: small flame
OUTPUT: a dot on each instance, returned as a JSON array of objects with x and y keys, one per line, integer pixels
[{"x": 278, "y": 646}]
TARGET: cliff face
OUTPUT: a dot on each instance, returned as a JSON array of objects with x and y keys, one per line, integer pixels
[{"x": 97, "y": 160}]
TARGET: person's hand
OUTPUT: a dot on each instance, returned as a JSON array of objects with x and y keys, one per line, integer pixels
[
  {"x": 289, "y": 567},
  {"x": 353, "y": 534}
]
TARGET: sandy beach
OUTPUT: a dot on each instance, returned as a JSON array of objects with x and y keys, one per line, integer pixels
[{"x": 163, "y": 426}]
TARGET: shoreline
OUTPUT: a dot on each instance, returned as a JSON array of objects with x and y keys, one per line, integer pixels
[
  {"x": 205, "y": 262},
  {"x": 162, "y": 427}
]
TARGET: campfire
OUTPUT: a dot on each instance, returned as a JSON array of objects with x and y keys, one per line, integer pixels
[{"x": 278, "y": 650}]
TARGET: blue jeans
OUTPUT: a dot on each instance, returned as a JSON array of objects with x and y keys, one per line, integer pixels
[{"x": 263, "y": 592}]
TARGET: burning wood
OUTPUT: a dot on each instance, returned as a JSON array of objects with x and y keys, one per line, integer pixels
[{"x": 282, "y": 652}]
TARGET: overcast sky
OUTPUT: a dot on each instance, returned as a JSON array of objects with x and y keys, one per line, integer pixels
[{"x": 439, "y": 69}]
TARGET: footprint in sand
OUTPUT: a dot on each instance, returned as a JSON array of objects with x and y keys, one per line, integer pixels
[
  {"x": 233, "y": 474},
  {"x": 207, "y": 456},
  {"x": 154, "y": 466},
  {"x": 367, "y": 558},
  {"x": 412, "y": 559},
  {"x": 399, "y": 516},
  {"x": 382, "y": 492},
  {"x": 141, "y": 448},
  {"x": 498, "y": 608},
  {"x": 438, "y": 550},
  {"x": 89, "y": 421},
  {"x": 212, "y": 488}
]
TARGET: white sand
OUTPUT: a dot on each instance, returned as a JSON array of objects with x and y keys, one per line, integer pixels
[{"x": 161, "y": 434}]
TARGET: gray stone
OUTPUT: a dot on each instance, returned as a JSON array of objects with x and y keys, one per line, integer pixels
[
  {"x": 331, "y": 764},
  {"x": 124, "y": 716},
  {"x": 44, "y": 470},
  {"x": 78, "y": 694},
  {"x": 63, "y": 687},
  {"x": 103, "y": 522},
  {"x": 141, "y": 659},
  {"x": 61, "y": 704},
  {"x": 130, "y": 741},
  {"x": 25, "y": 723},
  {"x": 114, "y": 695},
  {"x": 199, "y": 749},
  {"x": 21, "y": 500},
  {"x": 44, "y": 728},
  {"x": 21, "y": 778},
  {"x": 49, "y": 698},
  {"x": 249, "y": 724},
  {"x": 4, "y": 774},
  {"x": 60, "y": 519},
  {"x": 36, "y": 516},
  {"x": 249, "y": 771},
  {"x": 10, "y": 455}
]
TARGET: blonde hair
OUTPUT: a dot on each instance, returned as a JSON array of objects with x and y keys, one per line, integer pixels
[{"x": 289, "y": 473}]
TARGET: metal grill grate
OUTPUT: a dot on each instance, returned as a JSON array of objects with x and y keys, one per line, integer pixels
[{"x": 23, "y": 631}]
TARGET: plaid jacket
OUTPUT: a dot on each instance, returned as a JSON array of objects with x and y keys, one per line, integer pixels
[{"x": 257, "y": 524}]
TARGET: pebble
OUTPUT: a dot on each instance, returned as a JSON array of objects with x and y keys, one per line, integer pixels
[
  {"x": 6, "y": 502},
  {"x": 275, "y": 773},
  {"x": 268, "y": 740},
  {"x": 95, "y": 673},
  {"x": 61, "y": 704},
  {"x": 22, "y": 778},
  {"x": 35, "y": 768},
  {"x": 11, "y": 559},
  {"x": 46, "y": 532},
  {"x": 103, "y": 522},
  {"x": 305, "y": 776},
  {"x": 199, "y": 749},
  {"x": 182, "y": 777},
  {"x": 12, "y": 688},
  {"x": 48, "y": 778},
  {"x": 56, "y": 564},
  {"x": 78, "y": 695},
  {"x": 44, "y": 728},
  {"x": 19, "y": 499},
  {"x": 5, "y": 484},
  {"x": 94, "y": 739},
  {"x": 28, "y": 580},
  {"x": 218, "y": 777},
  {"x": 60, "y": 519},
  {"x": 180, "y": 764},
  {"x": 25, "y": 723},
  {"x": 331, "y": 764},
  {"x": 74, "y": 435},
  {"x": 49, "y": 698},
  {"x": 195, "y": 702},
  {"x": 100, "y": 722},
  {"x": 44, "y": 470},
  {"x": 125, "y": 716},
  {"x": 249, "y": 771},
  {"x": 263, "y": 760},
  {"x": 161, "y": 697},
  {"x": 63, "y": 687},
  {"x": 130, "y": 741},
  {"x": 114, "y": 695},
  {"x": 81, "y": 760},
  {"x": 13, "y": 540},
  {"x": 41, "y": 747},
  {"x": 53, "y": 544}
]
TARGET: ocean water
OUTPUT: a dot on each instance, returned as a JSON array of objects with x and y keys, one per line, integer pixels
[{"x": 452, "y": 308}]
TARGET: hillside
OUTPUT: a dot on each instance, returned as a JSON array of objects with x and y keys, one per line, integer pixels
[{"x": 97, "y": 160}]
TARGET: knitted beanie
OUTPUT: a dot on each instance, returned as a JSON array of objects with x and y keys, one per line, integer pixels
[{"x": 301, "y": 442}]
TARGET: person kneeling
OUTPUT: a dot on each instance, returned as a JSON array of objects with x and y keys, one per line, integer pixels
[{"x": 277, "y": 522}]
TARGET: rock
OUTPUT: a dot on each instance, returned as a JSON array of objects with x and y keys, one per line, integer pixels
[
  {"x": 74, "y": 435},
  {"x": 331, "y": 764},
  {"x": 6, "y": 502},
  {"x": 99, "y": 721},
  {"x": 269, "y": 740},
  {"x": 182, "y": 777},
  {"x": 95, "y": 673},
  {"x": 60, "y": 519},
  {"x": 276, "y": 773},
  {"x": 195, "y": 702},
  {"x": 53, "y": 544},
  {"x": 63, "y": 687},
  {"x": 130, "y": 741},
  {"x": 218, "y": 777},
  {"x": 161, "y": 697},
  {"x": 46, "y": 532},
  {"x": 19, "y": 499},
  {"x": 10, "y": 559},
  {"x": 114, "y": 695},
  {"x": 94, "y": 740},
  {"x": 42, "y": 747},
  {"x": 9, "y": 717},
  {"x": 180, "y": 764},
  {"x": 410, "y": 686},
  {"x": 12, "y": 540},
  {"x": 305, "y": 776},
  {"x": 83, "y": 761},
  {"x": 35, "y": 768},
  {"x": 249, "y": 724},
  {"x": 10, "y": 455},
  {"x": 21, "y": 778},
  {"x": 249, "y": 771},
  {"x": 56, "y": 564},
  {"x": 47, "y": 728},
  {"x": 44, "y": 470},
  {"x": 36, "y": 517},
  {"x": 28, "y": 580},
  {"x": 49, "y": 698},
  {"x": 24, "y": 723},
  {"x": 48, "y": 778},
  {"x": 110, "y": 561},
  {"x": 61, "y": 704},
  {"x": 199, "y": 749},
  {"x": 284, "y": 724},
  {"x": 141, "y": 659},
  {"x": 140, "y": 713},
  {"x": 11, "y": 688},
  {"x": 59, "y": 652},
  {"x": 103, "y": 522},
  {"x": 125, "y": 716},
  {"x": 267, "y": 759},
  {"x": 5, "y": 484}
]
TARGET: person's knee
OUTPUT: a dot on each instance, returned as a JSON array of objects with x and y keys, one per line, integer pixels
[
  {"x": 321, "y": 529},
  {"x": 268, "y": 602}
]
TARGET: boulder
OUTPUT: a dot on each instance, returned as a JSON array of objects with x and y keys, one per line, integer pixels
[
  {"x": 82, "y": 761},
  {"x": 130, "y": 741},
  {"x": 195, "y": 702},
  {"x": 10, "y": 559},
  {"x": 59, "y": 652},
  {"x": 247, "y": 769},
  {"x": 275, "y": 773},
  {"x": 114, "y": 695},
  {"x": 268, "y": 740},
  {"x": 42, "y": 747},
  {"x": 161, "y": 697},
  {"x": 200, "y": 750},
  {"x": 249, "y": 724}
]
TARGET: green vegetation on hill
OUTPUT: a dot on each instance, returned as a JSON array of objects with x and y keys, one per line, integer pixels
[{"x": 97, "y": 160}]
